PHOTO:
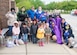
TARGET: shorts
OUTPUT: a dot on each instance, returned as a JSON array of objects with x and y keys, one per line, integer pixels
[
  {"x": 15, "y": 37},
  {"x": 47, "y": 34}
]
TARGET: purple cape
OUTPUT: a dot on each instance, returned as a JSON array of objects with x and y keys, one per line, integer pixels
[
  {"x": 57, "y": 33},
  {"x": 58, "y": 23},
  {"x": 50, "y": 20}
]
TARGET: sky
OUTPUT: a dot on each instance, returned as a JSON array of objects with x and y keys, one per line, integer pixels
[{"x": 48, "y": 1}]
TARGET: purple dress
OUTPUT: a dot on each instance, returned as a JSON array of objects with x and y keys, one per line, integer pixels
[
  {"x": 55, "y": 30},
  {"x": 58, "y": 23},
  {"x": 57, "y": 33}
]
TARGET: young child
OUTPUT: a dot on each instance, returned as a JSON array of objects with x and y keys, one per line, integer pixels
[
  {"x": 68, "y": 34},
  {"x": 9, "y": 42},
  {"x": 24, "y": 31},
  {"x": 33, "y": 31},
  {"x": 16, "y": 31},
  {"x": 47, "y": 32},
  {"x": 40, "y": 35}
]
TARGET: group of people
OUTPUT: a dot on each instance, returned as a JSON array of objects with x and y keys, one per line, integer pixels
[{"x": 35, "y": 25}]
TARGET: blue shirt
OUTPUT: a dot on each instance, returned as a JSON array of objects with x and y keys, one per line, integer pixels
[
  {"x": 40, "y": 15},
  {"x": 31, "y": 14}
]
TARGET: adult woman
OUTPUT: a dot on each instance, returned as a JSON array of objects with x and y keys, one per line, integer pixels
[
  {"x": 58, "y": 23},
  {"x": 11, "y": 16},
  {"x": 22, "y": 15},
  {"x": 31, "y": 12},
  {"x": 40, "y": 15},
  {"x": 56, "y": 33}
]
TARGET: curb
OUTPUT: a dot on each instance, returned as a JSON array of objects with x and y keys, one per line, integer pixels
[{"x": 70, "y": 51}]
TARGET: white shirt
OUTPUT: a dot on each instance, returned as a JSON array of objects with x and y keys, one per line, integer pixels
[
  {"x": 16, "y": 30},
  {"x": 11, "y": 18}
]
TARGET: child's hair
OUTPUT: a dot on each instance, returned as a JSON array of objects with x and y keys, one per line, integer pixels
[
  {"x": 68, "y": 26},
  {"x": 24, "y": 23},
  {"x": 63, "y": 19},
  {"x": 59, "y": 16},
  {"x": 34, "y": 20},
  {"x": 47, "y": 24},
  {"x": 50, "y": 16},
  {"x": 40, "y": 24}
]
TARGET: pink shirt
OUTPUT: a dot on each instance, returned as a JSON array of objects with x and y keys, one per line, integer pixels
[{"x": 16, "y": 30}]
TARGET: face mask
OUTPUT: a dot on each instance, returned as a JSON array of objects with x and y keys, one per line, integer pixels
[
  {"x": 13, "y": 12},
  {"x": 67, "y": 27}
]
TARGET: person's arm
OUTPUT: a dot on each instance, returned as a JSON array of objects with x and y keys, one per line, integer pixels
[
  {"x": 71, "y": 33},
  {"x": 28, "y": 13},
  {"x": 21, "y": 30},
  {"x": 13, "y": 31},
  {"x": 28, "y": 31},
  {"x": 7, "y": 15},
  {"x": 43, "y": 31}
]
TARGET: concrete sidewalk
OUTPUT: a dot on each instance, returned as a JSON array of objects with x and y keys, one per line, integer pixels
[{"x": 34, "y": 49}]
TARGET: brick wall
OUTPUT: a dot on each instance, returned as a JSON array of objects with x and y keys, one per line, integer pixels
[{"x": 5, "y": 6}]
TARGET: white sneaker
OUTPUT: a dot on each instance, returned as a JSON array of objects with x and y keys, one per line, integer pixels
[
  {"x": 17, "y": 44},
  {"x": 14, "y": 45}
]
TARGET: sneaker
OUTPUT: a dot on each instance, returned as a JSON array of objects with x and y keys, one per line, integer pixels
[
  {"x": 42, "y": 44},
  {"x": 71, "y": 47},
  {"x": 39, "y": 43},
  {"x": 14, "y": 45},
  {"x": 66, "y": 43},
  {"x": 17, "y": 44}
]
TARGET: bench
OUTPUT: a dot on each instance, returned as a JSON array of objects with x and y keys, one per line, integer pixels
[{"x": 2, "y": 36}]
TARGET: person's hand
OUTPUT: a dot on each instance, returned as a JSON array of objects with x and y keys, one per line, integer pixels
[
  {"x": 22, "y": 34},
  {"x": 28, "y": 33}
]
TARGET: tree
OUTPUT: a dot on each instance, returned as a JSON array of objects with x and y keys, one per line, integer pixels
[
  {"x": 17, "y": 1},
  {"x": 65, "y": 5},
  {"x": 27, "y": 4}
]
